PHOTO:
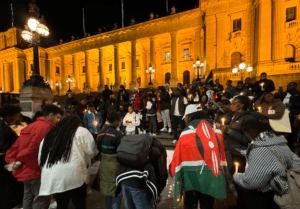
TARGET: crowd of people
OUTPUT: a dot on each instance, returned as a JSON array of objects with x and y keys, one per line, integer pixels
[{"x": 227, "y": 140}]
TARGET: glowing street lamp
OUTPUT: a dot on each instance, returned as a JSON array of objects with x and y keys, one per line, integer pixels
[
  {"x": 34, "y": 29},
  {"x": 69, "y": 80},
  {"x": 242, "y": 67},
  {"x": 198, "y": 65},
  {"x": 150, "y": 70}
]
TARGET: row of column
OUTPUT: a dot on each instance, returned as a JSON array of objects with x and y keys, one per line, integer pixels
[
  {"x": 12, "y": 76},
  {"x": 133, "y": 69}
]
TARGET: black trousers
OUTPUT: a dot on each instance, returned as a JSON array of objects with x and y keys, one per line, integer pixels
[
  {"x": 78, "y": 197},
  {"x": 175, "y": 121},
  {"x": 191, "y": 199},
  {"x": 152, "y": 124}
]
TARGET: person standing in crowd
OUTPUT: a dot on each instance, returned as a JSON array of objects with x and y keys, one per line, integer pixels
[
  {"x": 217, "y": 86},
  {"x": 230, "y": 88},
  {"x": 108, "y": 142},
  {"x": 124, "y": 94},
  {"x": 92, "y": 120},
  {"x": 107, "y": 92},
  {"x": 45, "y": 102},
  {"x": 11, "y": 191},
  {"x": 151, "y": 112},
  {"x": 271, "y": 108},
  {"x": 97, "y": 100},
  {"x": 25, "y": 150},
  {"x": 178, "y": 103},
  {"x": 141, "y": 186},
  {"x": 123, "y": 103},
  {"x": 135, "y": 99},
  {"x": 89, "y": 97},
  {"x": 131, "y": 120},
  {"x": 238, "y": 140},
  {"x": 165, "y": 103},
  {"x": 70, "y": 100},
  {"x": 200, "y": 155},
  {"x": 57, "y": 164},
  {"x": 293, "y": 104},
  {"x": 248, "y": 84},
  {"x": 280, "y": 94},
  {"x": 262, "y": 86},
  {"x": 112, "y": 104},
  {"x": 241, "y": 90},
  {"x": 225, "y": 112},
  {"x": 265, "y": 173},
  {"x": 181, "y": 89},
  {"x": 81, "y": 108}
]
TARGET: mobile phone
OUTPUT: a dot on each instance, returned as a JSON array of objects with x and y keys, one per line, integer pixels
[{"x": 243, "y": 152}]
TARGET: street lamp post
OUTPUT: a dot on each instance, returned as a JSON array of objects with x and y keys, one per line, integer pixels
[
  {"x": 69, "y": 80},
  {"x": 34, "y": 29},
  {"x": 198, "y": 65},
  {"x": 150, "y": 71},
  {"x": 242, "y": 68}
]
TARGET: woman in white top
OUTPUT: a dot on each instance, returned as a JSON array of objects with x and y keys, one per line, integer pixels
[{"x": 64, "y": 156}]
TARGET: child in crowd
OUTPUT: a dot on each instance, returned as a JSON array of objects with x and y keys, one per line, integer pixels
[
  {"x": 131, "y": 120},
  {"x": 151, "y": 112},
  {"x": 122, "y": 112}
]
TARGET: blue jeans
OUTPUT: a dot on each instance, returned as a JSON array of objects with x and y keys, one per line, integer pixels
[
  {"x": 130, "y": 133},
  {"x": 136, "y": 198},
  {"x": 113, "y": 202}
]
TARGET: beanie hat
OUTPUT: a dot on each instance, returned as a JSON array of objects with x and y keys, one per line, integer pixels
[{"x": 229, "y": 81}]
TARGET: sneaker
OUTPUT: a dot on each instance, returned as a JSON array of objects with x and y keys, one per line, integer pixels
[
  {"x": 170, "y": 130},
  {"x": 163, "y": 129},
  {"x": 153, "y": 134},
  {"x": 174, "y": 141}
]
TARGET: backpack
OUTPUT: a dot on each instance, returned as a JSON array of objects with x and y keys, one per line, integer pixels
[
  {"x": 134, "y": 150},
  {"x": 292, "y": 199}
]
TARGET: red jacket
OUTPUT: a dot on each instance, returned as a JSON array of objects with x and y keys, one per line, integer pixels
[
  {"x": 26, "y": 149},
  {"x": 137, "y": 102}
]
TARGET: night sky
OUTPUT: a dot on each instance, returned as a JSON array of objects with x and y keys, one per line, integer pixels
[{"x": 64, "y": 17}]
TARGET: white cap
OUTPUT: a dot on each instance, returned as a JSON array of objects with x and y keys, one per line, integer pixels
[
  {"x": 167, "y": 84},
  {"x": 135, "y": 88},
  {"x": 191, "y": 109}
]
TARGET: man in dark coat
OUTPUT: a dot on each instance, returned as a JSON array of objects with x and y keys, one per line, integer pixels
[
  {"x": 70, "y": 100},
  {"x": 218, "y": 87},
  {"x": 107, "y": 92},
  {"x": 230, "y": 88},
  {"x": 165, "y": 105},
  {"x": 112, "y": 105},
  {"x": 124, "y": 93},
  {"x": 248, "y": 84},
  {"x": 262, "y": 86}
]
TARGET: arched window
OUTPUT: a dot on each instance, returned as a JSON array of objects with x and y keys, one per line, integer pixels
[
  {"x": 289, "y": 53},
  {"x": 167, "y": 78},
  {"x": 235, "y": 59},
  {"x": 186, "y": 77}
]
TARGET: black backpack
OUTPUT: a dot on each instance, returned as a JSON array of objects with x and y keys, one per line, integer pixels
[{"x": 134, "y": 150}]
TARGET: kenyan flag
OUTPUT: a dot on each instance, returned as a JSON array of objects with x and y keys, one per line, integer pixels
[{"x": 199, "y": 161}]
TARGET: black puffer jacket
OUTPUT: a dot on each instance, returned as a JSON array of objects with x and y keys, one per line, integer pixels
[
  {"x": 165, "y": 99},
  {"x": 71, "y": 101},
  {"x": 154, "y": 173},
  {"x": 236, "y": 137}
]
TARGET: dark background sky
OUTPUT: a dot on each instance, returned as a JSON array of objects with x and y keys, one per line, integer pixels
[{"x": 64, "y": 17}]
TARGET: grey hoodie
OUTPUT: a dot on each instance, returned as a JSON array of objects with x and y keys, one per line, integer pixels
[{"x": 265, "y": 172}]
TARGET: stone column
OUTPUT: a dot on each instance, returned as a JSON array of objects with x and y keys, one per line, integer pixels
[
  {"x": 1, "y": 77},
  {"x": 278, "y": 31},
  {"x": 143, "y": 69},
  {"x": 101, "y": 71},
  {"x": 75, "y": 72},
  {"x": 52, "y": 77},
  {"x": 198, "y": 48},
  {"x": 8, "y": 78},
  {"x": 174, "y": 78},
  {"x": 152, "y": 60},
  {"x": 18, "y": 75},
  {"x": 87, "y": 73},
  {"x": 133, "y": 65},
  {"x": 117, "y": 68},
  {"x": 63, "y": 76}
]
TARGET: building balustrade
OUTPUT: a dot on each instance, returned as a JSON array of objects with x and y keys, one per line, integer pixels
[{"x": 292, "y": 24}]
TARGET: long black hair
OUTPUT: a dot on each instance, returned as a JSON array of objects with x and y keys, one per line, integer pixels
[
  {"x": 253, "y": 128},
  {"x": 58, "y": 141}
]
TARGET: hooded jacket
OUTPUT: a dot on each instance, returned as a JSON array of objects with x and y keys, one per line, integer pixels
[
  {"x": 165, "y": 99},
  {"x": 265, "y": 172},
  {"x": 26, "y": 149},
  {"x": 152, "y": 176},
  {"x": 236, "y": 137}
]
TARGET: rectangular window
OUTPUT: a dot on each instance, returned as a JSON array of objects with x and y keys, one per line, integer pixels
[
  {"x": 167, "y": 56},
  {"x": 110, "y": 67},
  {"x": 237, "y": 25},
  {"x": 138, "y": 63},
  {"x": 290, "y": 14},
  {"x": 186, "y": 53},
  {"x": 83, "y": 69},
  {"x": 123, "y": 65},
  {"x": 57, "y": 70}
]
